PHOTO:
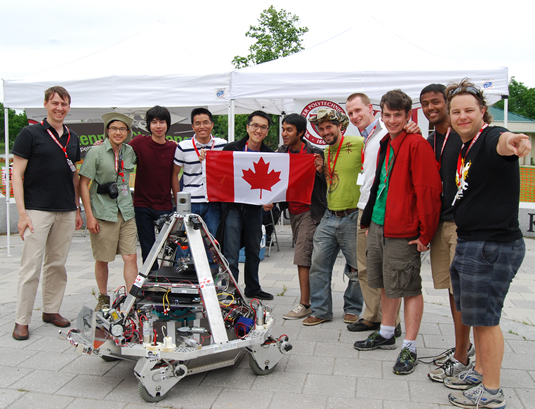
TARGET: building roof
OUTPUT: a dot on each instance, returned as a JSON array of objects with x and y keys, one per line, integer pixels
[{"x": 497, "y": 115}]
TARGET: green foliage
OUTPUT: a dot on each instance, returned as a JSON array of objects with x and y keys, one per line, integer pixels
[
  {"x": 521, "y": 99},
  {"x": 277, "y": 35},
  {"x": 16, "y": 123},
  {"x": 240, "y": 123}
]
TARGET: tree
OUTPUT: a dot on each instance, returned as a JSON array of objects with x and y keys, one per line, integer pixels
[
  {"x": 16, "y": 123},
  {"x": 277, "y": 35},
  {"x": 521, "y": 99},
  {"x": 240, "y": 122}
]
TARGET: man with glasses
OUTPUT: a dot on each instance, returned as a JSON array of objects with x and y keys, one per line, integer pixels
[
  {"x": 188, "y": 157},
  {"x": 244, "y": 221},
  {"x": 108, "y": 203},
  {"x": 45, "y": 186}
]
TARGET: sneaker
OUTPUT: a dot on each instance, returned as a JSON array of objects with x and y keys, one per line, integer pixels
[
  {"x": 103, "y": 301},
  {"x": 406, "y": 362},
  {"x": 350, "y": 318},
  {"x": 464, "y": 380},
  {"x": 375, "y": 341},
  {"x": 300, "y": 311},
  {"x": 447, "y": 354},
  {"x": 451, "y": 367},
  {"x": 312, "y": 320},
  {"x": 477, "y": 397},
  {"x": 397, "y": 331}
]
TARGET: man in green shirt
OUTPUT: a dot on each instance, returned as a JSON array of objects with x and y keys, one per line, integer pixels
[
  {"x": 108, "y": 202},
  {"x": 338, "y": 227}
]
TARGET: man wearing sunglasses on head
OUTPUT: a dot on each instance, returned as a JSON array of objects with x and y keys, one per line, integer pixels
[{"x": 490, "y": 247}]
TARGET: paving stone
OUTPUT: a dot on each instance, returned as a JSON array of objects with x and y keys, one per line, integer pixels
[
  {"x": 9, "y": 396},
  {"x": 229, "y": 399},
  {"x": 298, "y": 401},
  {"x": 89, "y": 386},
  {"x": 41, "y": 401},
  {"x": 310, "y": 364},
  {"x": 42, "y": 381},
  {"x": 390, "y": 389},
  {"x": 317, "y": 384},
  {"x": 280, "y": 382}
]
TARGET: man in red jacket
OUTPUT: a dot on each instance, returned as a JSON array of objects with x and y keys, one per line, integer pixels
[{"x": 402, "y": 214}]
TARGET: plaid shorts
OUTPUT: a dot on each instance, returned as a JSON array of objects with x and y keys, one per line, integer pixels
[{"x": 481, "y": 274}]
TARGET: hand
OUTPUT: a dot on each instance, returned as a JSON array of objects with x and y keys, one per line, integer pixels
[
  {"x": 519, "y": 144},
  {"x": 202, "y": 155},
  {"x": 412, "y": 127},
  {"x": 92, "y": 224},
  {"x": 79, "y": 221},
  {"x": 98, "y": 142},
  {"x": 421, "y": 248},
  {"x": 268, "y": 207},
  {"x": 24, "y": 223},
  {"x": 318, "y": 163}
]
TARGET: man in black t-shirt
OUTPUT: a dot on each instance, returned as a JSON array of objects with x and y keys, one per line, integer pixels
[
  {"x": 490, "y": 247},
  {"x": 446, "y": 144},
  {"x": 45, "y": 186}
]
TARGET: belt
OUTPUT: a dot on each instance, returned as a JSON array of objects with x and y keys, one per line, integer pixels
[{"x": 343, "y": 213}]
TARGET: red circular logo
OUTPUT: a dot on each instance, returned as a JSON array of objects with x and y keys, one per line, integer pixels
[{"x": 312, "y": 135}]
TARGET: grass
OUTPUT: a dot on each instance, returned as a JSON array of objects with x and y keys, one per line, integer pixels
[{"x": 284, "y": 289}]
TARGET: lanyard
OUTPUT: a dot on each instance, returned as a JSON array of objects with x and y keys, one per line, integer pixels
[
  {"x": 366, "y": 143},
  {"x": 331, "y": 171},
  {"x": 387, "y": 165},
  {"x": 119, "y": 164},
  {"x": 63, "y": 148},
  {"x": 246, "y": 149},
  {"x": 462, "y": 166},
  {"x": 303, "y": 149},
  {"x": 443, "y": 146},
  {"x": 195, "y": 146}
]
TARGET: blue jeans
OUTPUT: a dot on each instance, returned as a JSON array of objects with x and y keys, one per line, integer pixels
[
  {"x": 332, "y": 235},
  {"x": 245, "y": 221},
  {"x": 145, "y": 218},
  {"x": 211, "y": 214}
]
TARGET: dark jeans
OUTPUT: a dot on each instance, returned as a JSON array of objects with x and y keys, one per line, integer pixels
[
  {"x": 245, "y": 221},
  {"x": 211, "y": 215},
  {"x": 145, "y": 218}
]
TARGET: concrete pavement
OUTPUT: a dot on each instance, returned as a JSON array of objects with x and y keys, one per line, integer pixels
[{"x": 322, "y": 371}]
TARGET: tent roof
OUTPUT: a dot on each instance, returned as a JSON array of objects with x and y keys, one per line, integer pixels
[
  {"x": 367, "y": 58},
  {"x": 116, "y": 80}
]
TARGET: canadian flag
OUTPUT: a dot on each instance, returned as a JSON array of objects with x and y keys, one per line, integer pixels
[{"x": 258, "y": 178}]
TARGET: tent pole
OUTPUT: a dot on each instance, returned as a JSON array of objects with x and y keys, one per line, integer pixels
[
  {"x": 6, "y": 140},
  {"x": 232, "y": 111},
  {"x": 281, "y": 117},
  {"x": 505, "y": 110}
]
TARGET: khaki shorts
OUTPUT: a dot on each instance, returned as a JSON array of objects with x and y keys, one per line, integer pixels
[
  {"x": 303, "y": 229},
  {"x": 393, "y": 264},
  {"x": 442, "y": 253},
  {"x": 114, "y": 238}
]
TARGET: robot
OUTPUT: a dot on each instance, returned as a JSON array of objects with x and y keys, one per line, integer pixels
[{"x": 189, "y": 316}]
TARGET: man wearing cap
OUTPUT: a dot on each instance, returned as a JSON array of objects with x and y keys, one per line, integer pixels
[
  {"x": 45, "y": 186},
  {"x": 108, "y": 202},
  {"x": 338, "y": 227},
  {"x": 402, "y": 214}
]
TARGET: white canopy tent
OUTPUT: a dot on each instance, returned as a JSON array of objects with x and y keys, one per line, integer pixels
[{"x": 367, "y": 58}]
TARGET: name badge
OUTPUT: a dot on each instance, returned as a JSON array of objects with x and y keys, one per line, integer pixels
[
  {"x": 360, "y": 179},
  {"x": 124, "y": 190},
  {"x": 71, "y": 165}
]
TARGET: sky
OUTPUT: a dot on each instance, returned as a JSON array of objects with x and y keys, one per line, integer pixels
[{"x": 38, "y": 35}]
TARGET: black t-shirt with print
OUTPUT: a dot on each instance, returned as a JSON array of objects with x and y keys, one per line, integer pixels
[{"x": 488, "y": 208}]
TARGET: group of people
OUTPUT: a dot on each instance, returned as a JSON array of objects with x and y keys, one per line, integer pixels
[{"x": 382, "y": 198}]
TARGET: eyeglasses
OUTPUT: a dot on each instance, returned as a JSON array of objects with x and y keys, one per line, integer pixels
[
  {"x": 256, "y": 127},
  {"x": 205, "y": 123},
  {"x": 115, "y": 129},
  {"x": 471, "y": 90}
]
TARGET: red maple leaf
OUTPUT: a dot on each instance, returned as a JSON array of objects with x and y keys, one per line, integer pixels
[{"x": 260, "y": 178}]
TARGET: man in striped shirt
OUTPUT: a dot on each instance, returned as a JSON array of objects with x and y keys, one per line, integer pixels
[{"x": 188, "y": 157}]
